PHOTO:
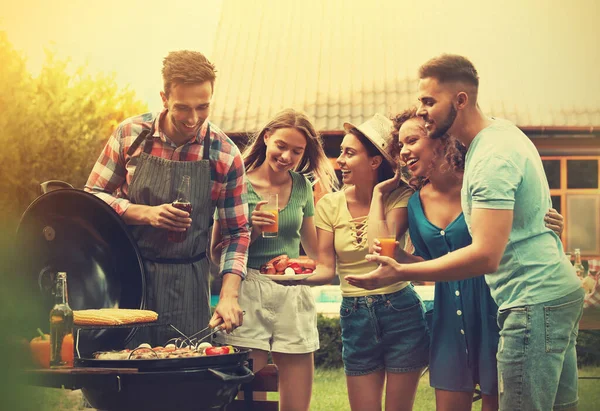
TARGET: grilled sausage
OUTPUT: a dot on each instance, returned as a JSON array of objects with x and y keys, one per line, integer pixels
[
  {"x": 303, "y": 262},
  {"x": 276, "y": 259},
  {"x": 282, "y": 263},
  {"x": 267, "y": 269}
]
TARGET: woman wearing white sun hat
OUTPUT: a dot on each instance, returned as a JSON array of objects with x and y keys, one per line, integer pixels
[{"x": 384, "y": 334}]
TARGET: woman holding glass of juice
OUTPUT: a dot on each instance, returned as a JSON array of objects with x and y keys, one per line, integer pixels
[
  {"x": 384, "y": 335},
  {"x": 270, "y": 212},
  {"x": 464, "y": 331},
  {"x": 281, "y": 319}
]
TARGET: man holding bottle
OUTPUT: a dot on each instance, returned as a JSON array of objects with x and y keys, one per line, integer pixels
[{"x": 138, "y": 174}]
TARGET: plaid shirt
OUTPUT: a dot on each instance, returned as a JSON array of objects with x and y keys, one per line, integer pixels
[{"x": 114, "y": 169}]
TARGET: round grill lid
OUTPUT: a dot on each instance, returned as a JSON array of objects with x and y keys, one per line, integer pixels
[{"x": 74, "y": 231}]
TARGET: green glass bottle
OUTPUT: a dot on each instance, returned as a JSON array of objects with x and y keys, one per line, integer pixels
[
  {"x": 579, "y": 268},
  {"x": 61, "y": 321}
]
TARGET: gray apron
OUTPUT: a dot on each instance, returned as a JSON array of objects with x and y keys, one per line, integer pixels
[{"x": 177, "y": 274}]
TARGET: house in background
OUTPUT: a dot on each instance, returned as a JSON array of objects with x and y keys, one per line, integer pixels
[{"x": 344, "y": 61}]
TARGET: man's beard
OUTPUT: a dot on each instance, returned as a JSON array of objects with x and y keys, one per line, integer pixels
[{"x": 445, "y": 126}]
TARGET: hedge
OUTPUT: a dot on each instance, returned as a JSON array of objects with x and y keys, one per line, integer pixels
[
  {"x": 330, "y": 335},
  {"x": 588, "y": 347},
  {"x": 330, "y": 353}
]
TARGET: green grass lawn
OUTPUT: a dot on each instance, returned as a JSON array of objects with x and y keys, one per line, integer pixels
[{"x": 329, "y": 394}]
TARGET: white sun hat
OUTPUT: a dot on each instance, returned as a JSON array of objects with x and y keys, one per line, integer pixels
[{"x": 378, "y": 130}]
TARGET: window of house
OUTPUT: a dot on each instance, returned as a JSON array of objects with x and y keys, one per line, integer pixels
[
  {"x": 575, "y": 190},
  {"x": 582, "y": 214},
  {"x": 556, "y": 203},
  {"x": 552, "y": 169},
  {"x": 582, "y": 173}
]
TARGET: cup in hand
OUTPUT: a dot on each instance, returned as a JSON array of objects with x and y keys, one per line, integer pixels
[
  {"x": 272, "y": 230},
  {"x": 386, "y": 234}
]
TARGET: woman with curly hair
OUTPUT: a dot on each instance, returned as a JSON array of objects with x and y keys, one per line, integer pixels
[{"x": 464, "y": 330}]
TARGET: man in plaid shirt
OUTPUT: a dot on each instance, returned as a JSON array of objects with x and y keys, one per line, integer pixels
[{"x": 137, "y": 174}]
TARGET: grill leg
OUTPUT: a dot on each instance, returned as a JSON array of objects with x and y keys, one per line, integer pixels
[
  {"x": 477, "y": 395},
  {"x": 248, "y": 393}
]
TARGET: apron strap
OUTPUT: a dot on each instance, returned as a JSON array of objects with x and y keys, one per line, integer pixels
[
  {"x": 149, "y": 133},
  {"x": 146, "y": 133},
  {"x": 190, "y": 260},
  {"x": 207, "y": 143},
  {"x": 206, "y": 156}
]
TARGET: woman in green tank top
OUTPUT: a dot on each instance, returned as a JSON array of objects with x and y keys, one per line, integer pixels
[{"x": 281, "y": 319}]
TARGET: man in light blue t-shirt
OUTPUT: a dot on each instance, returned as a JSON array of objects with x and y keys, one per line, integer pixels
[{"x": 505, "y": 196}]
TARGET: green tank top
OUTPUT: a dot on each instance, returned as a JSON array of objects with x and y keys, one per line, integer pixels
[{"x": 300, "y": 205}]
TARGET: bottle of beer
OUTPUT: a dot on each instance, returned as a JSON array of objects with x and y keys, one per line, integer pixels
[
  {"x": 579, "y": 268},
  {"x": 61, "y": 321},
  {"x": 182, "y": 202}
]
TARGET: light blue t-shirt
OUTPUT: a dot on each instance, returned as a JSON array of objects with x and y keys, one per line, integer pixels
[{"x": 503, "y": 170}]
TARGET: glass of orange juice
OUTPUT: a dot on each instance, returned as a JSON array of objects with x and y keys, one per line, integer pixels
[
  {"x": 271, "y": 231},
  {"x": 386, "y": 234}
]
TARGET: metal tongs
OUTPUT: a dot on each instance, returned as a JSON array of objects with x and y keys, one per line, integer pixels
[{"x": 217, "y": 328}]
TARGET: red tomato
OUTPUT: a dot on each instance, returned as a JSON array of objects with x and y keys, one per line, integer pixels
[
  {"x": 296, "y": 267},
  {"x": 216, "y": 350},
  {"x": 307, "y": 271}
]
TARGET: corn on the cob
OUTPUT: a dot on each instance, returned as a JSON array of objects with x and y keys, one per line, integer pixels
[{"x": 113, "y": 316}]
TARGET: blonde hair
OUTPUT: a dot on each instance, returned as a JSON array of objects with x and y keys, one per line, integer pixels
[
  {"x": 314, "y": 162},
  {"x": 187, "y": 67}
]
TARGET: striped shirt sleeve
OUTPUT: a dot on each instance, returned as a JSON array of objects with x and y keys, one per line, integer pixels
[
  {"x": 232, "y": 209},
  {"x": 109, "y": 173}
]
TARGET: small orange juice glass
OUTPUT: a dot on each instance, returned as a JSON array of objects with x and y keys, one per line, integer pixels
[
  {"x": 272, "y": 231},
  {"x": 388, "y": 246},
  {"x": 386, "y": 234}
]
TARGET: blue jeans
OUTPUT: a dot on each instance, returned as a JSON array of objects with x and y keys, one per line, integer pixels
[
  {"x": 537, "y": 362},
  {"x": 384, "y": 332}
]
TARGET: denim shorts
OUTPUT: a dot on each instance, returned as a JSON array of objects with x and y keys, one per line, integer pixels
[
  {"x": 384, "y": 332},
  {"x": 537, "y": 362}
]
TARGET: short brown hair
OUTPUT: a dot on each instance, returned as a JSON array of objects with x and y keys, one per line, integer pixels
[
  {"x": 187, "y": 67},
  {"x": 450, "y": 68}
]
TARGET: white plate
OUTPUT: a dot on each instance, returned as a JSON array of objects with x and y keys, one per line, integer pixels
[{"x": 288, "y": 277}]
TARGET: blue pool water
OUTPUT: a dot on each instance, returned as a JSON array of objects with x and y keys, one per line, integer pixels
[
  {"x": 331, "y": 294},
  {"x": 325, "y": 295}
]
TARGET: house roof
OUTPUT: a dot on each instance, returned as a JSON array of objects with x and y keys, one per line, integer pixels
[{"x": 339, "y": 61}]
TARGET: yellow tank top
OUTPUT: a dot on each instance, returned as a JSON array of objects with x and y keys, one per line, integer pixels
[{"x": 350, "y": 238}]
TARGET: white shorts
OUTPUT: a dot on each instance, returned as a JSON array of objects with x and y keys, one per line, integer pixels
[{"x": 278, "y": 318}]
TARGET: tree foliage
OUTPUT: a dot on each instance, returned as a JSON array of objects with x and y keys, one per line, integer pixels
[{"x": 54, "y": 125}]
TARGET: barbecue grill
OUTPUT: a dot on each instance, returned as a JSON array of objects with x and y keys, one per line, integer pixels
[{"x": 76, "y": 232}]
